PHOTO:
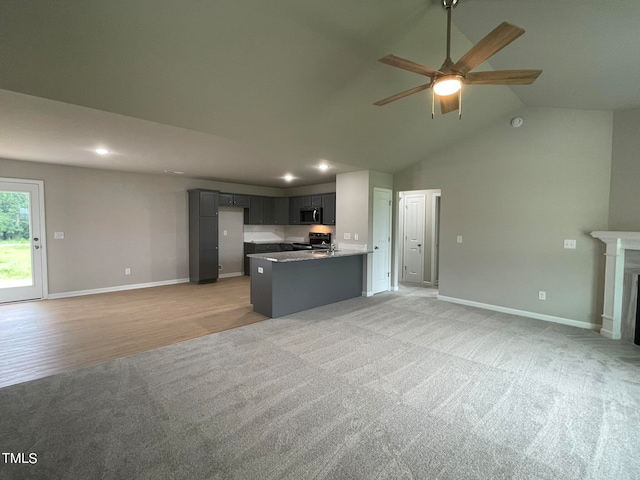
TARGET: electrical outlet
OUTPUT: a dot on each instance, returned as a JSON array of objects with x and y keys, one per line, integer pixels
[
  {"x": 542, "y": 295},
  {"x": 127, "y": 271},
  {"x": 355, "y": 236},
  {"x": 347, "y": 236},
  {"x": 260, "y": 270},
  {"x": 224, "y": 232},
  {"x": 459, "y": 239},
  {"x": 570, "y": 244}
]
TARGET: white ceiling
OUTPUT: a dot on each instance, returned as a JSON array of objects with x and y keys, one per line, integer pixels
[{"x": 246, "y": 90}]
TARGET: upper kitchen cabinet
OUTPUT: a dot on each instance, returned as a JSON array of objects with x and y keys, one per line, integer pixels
[
  {"x": 261, "y": 211},
  {"x": 329, "y": 209},
  {"x": 233, "y": 200},
  {"x": 203, "y": 236},
  {"x": 325, "y": 201},
  {"x": 204, "y": 202},
  {"x": 295, "y": 204},
  {"x": 313, "y": 201},
  {"x": 281, "y": 211}
]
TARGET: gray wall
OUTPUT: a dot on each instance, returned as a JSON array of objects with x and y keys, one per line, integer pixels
[
  {"x": 624, "y": 206},
  {"x": 231, "y": 240},
  {"x": 352, "y": 209},
  {"x": 310, "y": 189},
  {"x": 115, "y": 220},
  {"x": 514, "y": 195}
]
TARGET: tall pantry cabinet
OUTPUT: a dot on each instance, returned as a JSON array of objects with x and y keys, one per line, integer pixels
[{"x": 203, "y": 236}]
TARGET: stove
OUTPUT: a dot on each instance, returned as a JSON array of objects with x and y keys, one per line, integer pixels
[
  {"x": 317, "y": 241},
  {"x": 320, "y": 240}
]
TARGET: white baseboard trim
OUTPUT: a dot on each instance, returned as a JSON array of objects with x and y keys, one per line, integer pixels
[
  {"x": 229, "y": 275},
  {"x": 609, "y": 334},
  {"x": 367, "y": 294},
  {"x": 119, "y": 288},
  {"x": 522, "y": 313}
]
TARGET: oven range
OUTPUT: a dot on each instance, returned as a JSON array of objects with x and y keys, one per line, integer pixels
[{"x": 317, "y": 241}]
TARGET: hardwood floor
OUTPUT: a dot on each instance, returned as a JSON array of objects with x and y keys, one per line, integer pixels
[{"x": 46, "y": 337}]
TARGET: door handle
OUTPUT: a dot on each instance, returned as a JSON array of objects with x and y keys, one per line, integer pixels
[
  {"x": 419, "y": 244},
  {"x": 315, "y": 215},
  {"x": 36, "y": 247},
  {"x": 375, "y": 248}
]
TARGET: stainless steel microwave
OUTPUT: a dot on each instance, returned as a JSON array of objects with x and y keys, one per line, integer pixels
[{"x": 311, "y": 215}]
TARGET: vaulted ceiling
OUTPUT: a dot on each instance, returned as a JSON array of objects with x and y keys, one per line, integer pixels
[{"x": 248, "y": 90}]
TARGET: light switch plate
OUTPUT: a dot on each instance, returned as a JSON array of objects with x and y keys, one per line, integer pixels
[
  {"x": 58, "y": 235},
  {"x": 570, "y": 244},
  {"x": 260, "y": 270},
  {"x": 459, "y": 239},
  {"x": 347, "y": 236}
]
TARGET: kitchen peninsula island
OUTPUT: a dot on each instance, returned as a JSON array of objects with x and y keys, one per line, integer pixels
[{"x": 289, "y": 282}]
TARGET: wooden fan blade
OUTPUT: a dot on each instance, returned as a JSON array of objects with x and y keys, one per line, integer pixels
[
  {"x": 408, "y": 65},
  {"x": 400, "y": 95},
  {"x": 502, "y": 77},
  {"x": 496, "y": 40},
  {"x": 449, "y": 103}
]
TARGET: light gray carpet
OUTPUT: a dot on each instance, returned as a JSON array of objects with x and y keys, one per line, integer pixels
[{"x": 397, "y": 386}]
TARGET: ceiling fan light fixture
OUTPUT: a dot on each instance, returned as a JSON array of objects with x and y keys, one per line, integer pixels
[{"x": 447, "y": 85}]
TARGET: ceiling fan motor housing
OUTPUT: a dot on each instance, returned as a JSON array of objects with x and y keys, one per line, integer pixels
[{"x": 449, "y": 3}]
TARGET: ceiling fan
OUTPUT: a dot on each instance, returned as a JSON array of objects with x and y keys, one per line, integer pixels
[{"x": 448, "y": 80}]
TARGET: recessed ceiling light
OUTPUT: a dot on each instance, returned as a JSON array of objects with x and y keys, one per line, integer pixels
[
  {"x": 102, "y": 151},
  {"x": 288, "y": 177},
  {"x": 323, "y": 167},
  {"x": 173, "y": 172}
]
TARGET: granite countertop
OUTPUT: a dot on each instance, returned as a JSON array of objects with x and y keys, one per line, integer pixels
[
  {"x": 300, "y": 255},
  {"x": 264, "y": 242}
]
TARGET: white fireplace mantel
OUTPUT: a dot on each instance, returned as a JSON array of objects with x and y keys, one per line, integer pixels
[{"x": 616, "y": 245}]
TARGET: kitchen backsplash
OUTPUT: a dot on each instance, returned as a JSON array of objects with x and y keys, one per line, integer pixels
[
  {"x": 303, "y": 230},
  {"x": 278, "y": 230},
  {"x": 298, "y": 232}
]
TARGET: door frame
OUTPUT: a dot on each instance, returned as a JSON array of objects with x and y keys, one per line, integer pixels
[
  {"x": 403, "y": 208},
  {"x": 430, "y": 231},
  {"x": 43, "y": 232},
  {"x": 436, "y": 200},
  {"x": 389, "y": 242}
]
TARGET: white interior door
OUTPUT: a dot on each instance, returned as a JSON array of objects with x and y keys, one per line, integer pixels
[
  {"x": 413, "y": 256},
  {"x": 21, "y": 243},
  {"x": 381, "y": 274}
]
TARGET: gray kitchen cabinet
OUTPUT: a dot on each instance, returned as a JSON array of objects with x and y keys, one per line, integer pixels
[
  {"x": 261, "y": 211},
  {"x": 281, "y": 211},
  {"x": 258, "y": 248},
  {"x": 329, "y": 209},
  {"x": 253, "y": 216},
  {"x": 233, "y": 200},
  {"x": 311, "y": 201},
  {"x": 295, "y": 204},
  {"x": 203, "y": 236},
  {"x": 268, "y": 211}
]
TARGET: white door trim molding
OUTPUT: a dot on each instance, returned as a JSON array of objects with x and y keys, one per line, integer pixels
[{"x": 42, "y": 225}]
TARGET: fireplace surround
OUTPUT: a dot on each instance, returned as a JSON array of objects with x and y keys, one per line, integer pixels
[{"x": 622, "y": 256}]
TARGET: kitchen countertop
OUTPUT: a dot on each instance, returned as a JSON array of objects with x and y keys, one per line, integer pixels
[
  {"x": 301, "y": 255},
  {"x": 265, "y": 242}
]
